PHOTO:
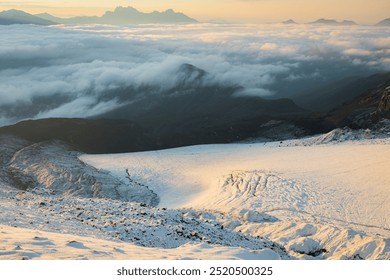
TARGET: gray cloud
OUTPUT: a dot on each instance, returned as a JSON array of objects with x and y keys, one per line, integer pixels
[{"x": 77, "y": 71}]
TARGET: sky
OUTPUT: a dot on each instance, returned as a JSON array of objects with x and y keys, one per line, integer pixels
[{"x": 237, "y": 11}]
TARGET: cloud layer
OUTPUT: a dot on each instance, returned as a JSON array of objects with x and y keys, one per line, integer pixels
[{"x": 81, "y": 71}]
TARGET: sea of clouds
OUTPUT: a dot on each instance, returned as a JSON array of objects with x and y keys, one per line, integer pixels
[{"x": 78, "y": 71}]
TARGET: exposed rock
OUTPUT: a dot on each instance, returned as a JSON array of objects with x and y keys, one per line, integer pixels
[
  {"x": 384, "y": 104},
  {"x": 366, "y": 111},
  {"x": 53, "y": 167}
]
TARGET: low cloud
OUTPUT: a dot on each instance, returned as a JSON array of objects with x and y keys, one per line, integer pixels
[{"x": 82, "y": 71}]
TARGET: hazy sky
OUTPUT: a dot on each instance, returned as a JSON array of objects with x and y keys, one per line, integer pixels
[{"x": 362, "y": 11}]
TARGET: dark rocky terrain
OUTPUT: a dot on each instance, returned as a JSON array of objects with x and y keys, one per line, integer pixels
[
  {"x": 335, "y": 94},
  {"x": 364, "y": 111}
]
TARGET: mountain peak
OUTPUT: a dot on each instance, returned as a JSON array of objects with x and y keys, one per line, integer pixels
[
  {"x": 14, "y": 16},
  {"x": 130, "y": 15},
  {"x": 43, "y": 14},
  {"x": 290, "y": 21},
  {"x": 333, "y": 22},
  {"x": 192, "y": 71},
  {"x": 119, "y": 16},
  {"x": 385, "y": 22},
  {"x": 13, "y": 12},
  {"x": 125, "y": 9}
]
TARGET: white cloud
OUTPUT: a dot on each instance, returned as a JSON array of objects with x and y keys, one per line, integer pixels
[
  {"x": 87, "y": 64},
  {"x": 82, "y": 107}
]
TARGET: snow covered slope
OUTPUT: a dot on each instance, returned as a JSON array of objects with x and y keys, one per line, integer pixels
[
  {"x": 132, "y": 226},
  {"x": 324, "y": 197},
  {"x": 24, "y": 244},
  {"x": 318, "y": 200}
]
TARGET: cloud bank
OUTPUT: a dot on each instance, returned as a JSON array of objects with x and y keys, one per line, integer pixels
[{"x": 82, "y": 71}]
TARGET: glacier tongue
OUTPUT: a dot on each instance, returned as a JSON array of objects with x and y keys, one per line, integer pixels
[{"x": 54, "y": 168}]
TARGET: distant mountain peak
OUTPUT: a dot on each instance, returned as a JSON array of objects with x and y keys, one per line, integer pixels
[
  {"x": 42, "y": 14},
  {"x": 290, "y": 21},
  {"x": 125, "y": 9},
  {"x": 385, "y": 22},
  {"x": 14, "y": 16},
  {"x": 333, "y": 22},
  {"x": 13, "y": 12},
  {"x": 348, "y": 22},
  {"x": 126, "y": 15},
  {"x": 128, "y": 8}
]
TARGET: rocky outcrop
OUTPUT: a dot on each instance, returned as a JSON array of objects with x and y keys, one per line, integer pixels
[
  {"x": 384, "y": 104},
  {"x": 366, "y": 111},
  {"x": 54, "y": 168},
  {"x": 9, "y": 145}
]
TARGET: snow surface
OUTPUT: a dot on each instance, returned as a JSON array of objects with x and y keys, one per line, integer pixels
[
  {"x": 94, "y": 223},
  {"x": 323, "y": 197},
  {"x": 337, "y": 193},
  {"x": 24, "y": 244}
]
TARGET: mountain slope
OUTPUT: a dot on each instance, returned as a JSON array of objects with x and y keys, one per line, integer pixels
[
  {"x": 91, "y": 136},
  {"x": 366, "y": 110},
  {"x": 193, "y": 111},
  {"x": 156, "y": 128},
  {"x": 197, "y": 112},
  {"x": 20, "y": 17},
  {"x": 325, "y": 98}
]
